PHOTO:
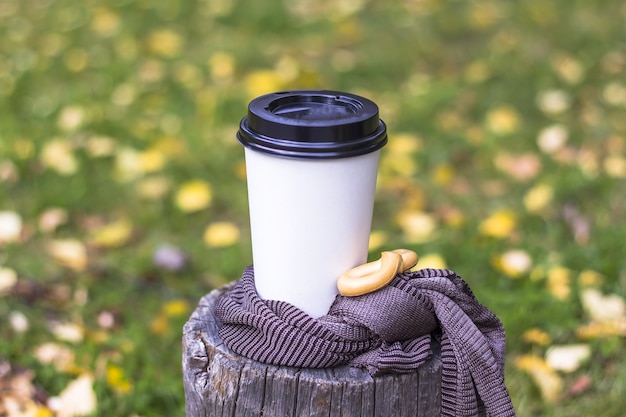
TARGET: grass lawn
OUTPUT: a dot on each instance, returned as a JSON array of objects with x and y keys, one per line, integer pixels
[{"x": 123, "y": 193}]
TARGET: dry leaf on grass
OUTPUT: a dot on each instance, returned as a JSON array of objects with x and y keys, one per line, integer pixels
[
  {"x": 499, "y": 224},
  {"x": 59, "y": 356},
  {"x": 602, "y": 307},
  {"x": 67, "y": 331},
  {"x": 77, "y": 399},
  {"x": 10, "y": 226},
  {"x": 8, "y": 279},
  {"x": 567, "y": 358},
  {"x": 548, "y": 381},
  {"x": 19, "y": 395},
  {"x": 112, "y": 235},
  {"x": 193, "y": 196},
  {"x": 71, "y": 253}
]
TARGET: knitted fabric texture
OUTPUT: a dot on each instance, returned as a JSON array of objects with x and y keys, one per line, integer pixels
[{"x": 390, "y": 330}]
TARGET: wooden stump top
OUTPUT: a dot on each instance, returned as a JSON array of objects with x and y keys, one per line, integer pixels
[{"x": 219, "y": 382}]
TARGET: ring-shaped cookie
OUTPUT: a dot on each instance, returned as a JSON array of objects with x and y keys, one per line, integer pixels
[{"x": 375, "y": 275}]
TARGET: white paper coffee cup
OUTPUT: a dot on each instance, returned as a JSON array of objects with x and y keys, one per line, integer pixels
[{"x": 311, "y": 163}]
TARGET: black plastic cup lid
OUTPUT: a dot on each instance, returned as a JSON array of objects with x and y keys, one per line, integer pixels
[{"x": 312, "y": 124}]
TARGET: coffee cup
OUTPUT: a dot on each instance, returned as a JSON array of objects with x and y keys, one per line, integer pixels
[{"x": 311, "y": 164}]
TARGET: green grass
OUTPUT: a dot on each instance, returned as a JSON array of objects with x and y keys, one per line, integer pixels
[{"x": 467, "y": 81}]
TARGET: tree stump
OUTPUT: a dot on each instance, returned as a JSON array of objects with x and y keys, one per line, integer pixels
[{"x": 220, "y": 383}]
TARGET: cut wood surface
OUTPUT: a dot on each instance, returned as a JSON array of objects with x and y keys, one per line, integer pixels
[{"x": 220, "y": 383}]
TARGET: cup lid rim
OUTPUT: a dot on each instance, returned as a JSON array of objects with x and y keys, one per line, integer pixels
[{"x": 312, "y": 124}]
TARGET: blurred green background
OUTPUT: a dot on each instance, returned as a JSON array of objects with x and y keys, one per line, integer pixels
[{"x": 123, "y": 194}]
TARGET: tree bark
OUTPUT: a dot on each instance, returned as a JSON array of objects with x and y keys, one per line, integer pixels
[{"x": 220, "y": 383}]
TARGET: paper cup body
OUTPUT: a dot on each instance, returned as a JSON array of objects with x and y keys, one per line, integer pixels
[{"x": 310, "y": 222}]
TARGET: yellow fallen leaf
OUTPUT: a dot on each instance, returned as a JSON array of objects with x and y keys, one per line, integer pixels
[
  {"x": 603, "y": 329},
  {"x": 176, "y": 308},
  {"x": 418, "y": 227},
  {"x": 71, "y": 253},
  {"x": 402, "y": 164},
  {"x": 77, "y": 399},
  {"x": 615, "y": 166},
  {"x": 58, "y": 155},
  {"x": 503, "y": 120},
  {"x": 567, "y": 358},
  {"x": 538, "y": 198},
  {"x": 559, "y": 282},
  {"x": 431, "y": 260},
  {"x": 42, "y": 411},
  {"x": 499, "y": 224},
  {"x": 403, "y": 143},
  {"x": 443, "y": 174},
  {"x": 547, "y": 380},
  {"x": 105, "y": 22},
  {"x": 536, "y": 336},
  {"x": 113, "y": 234},
  {"x": 222, "y": 66},
  {"x": 377, "y": 239},
  {"x": 261, "y": 82},
  {"x": 193, "y": 196},
  {"x": 514, "y": 262},
  {"x": 590, "y": 278},
  {"x": 568, "y": 68},
  {"x": 221, "y": 234},
  {"x": 160, "y": 325},
  {"x": 151, "y": 160},
  {"x": 165, "y": 42},
  {"x": 117, "y": 380}
]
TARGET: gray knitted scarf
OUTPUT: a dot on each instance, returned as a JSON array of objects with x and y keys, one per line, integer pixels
[{"x": 390, "y": 330}]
